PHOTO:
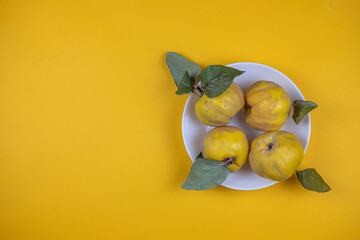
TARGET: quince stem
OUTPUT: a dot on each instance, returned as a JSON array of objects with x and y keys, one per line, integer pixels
[
  {"x": 200, "y": 91},
  {"x": 226, "y": 161}
]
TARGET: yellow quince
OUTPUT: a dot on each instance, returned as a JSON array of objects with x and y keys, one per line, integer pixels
[
  {"x": 267, "y": 106},
  {"x": 275, "y": 155},
  {"x": 228, "y": 144},
  {"x": 218, "y": 111}
]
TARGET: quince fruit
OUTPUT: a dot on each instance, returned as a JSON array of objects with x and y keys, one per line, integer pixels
[
  {"x": 228, "y": 144},
  {"x": 275, "y": 155},
  {"x": 219, "y": 110},
  {"x": 267, "y": 106}
]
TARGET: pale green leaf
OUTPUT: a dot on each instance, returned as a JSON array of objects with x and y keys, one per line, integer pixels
[
  {"x": 178, "y": 65},
  {"x": 186, "y": 85},
  {"x": 206, "y": 174},
  {"x": 216, "y": 79}
]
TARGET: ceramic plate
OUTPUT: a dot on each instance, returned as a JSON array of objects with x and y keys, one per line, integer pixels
[{"x": 194, "y": 131}]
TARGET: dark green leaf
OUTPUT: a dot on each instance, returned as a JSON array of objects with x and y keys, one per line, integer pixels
[
  {"x": 312, "y": 181},
  {"x": 206, "y": 174},
  {"x": 178, "y": 65},
  {"x": 301, "y": 108},
  {"x": 186, "y": 85},
  {"x": 216, "y": 79}
]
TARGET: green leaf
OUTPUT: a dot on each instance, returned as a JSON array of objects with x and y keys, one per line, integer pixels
[
  {"x": 206, "y": 174},
  {"x": 178, "y": 65},
  {"x": 186, "y": 85},
  {"x": 312, "y": 181},
  {"x": 216, "y": 79},
  {"x": 301, "y": 108}
]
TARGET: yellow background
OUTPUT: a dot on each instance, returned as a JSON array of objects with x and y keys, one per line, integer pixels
[{"x": 90, "y": 127}]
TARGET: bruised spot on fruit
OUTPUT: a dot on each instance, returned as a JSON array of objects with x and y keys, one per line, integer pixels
[
  {"x": 277, "y": 171},
  {"x": 272, "y": 104},
  {"x": 231, "y": 130},
  {"x": 260, "y": 171},
  {"x": 276, "y": 166},
  {"x": 285, "y": 96}
]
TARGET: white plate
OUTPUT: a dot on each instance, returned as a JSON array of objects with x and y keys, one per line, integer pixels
[{"x": 194, "y": 131}]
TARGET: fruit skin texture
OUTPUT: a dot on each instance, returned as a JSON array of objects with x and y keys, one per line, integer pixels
[
  {"x": 224, "y": 143},
  {"x": 275, "y": 155},
  {"x": 219, "y": 110},
  {"x": 267, "y": 106}
]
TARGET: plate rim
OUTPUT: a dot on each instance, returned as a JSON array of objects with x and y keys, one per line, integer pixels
[{"x": 262, "y": 65}]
